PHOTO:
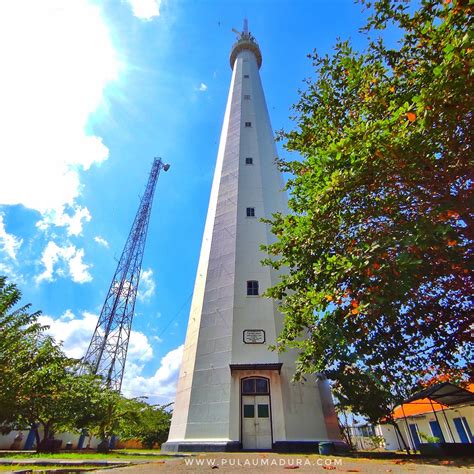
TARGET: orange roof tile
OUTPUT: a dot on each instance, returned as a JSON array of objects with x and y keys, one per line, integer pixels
[
  {"x": 417, "y": 408},
  {"x": 421, "y": 406}
]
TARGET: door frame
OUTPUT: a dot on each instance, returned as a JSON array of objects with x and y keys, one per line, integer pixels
[{"x": 241, "y": 383}]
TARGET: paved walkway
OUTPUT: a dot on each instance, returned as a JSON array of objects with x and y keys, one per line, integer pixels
[{"x": 281, "y": 463}]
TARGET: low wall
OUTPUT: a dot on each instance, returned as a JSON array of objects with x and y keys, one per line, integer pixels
[{"x": 17, "y": 440}]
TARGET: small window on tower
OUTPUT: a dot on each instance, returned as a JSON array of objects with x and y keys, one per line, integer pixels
[
  {"x": 252, "y": 288},
  {"x": 249, "y": 161},
  {"x": 246, "y": 76},
  {"x": 250, "y": 212},
  {"x": 248, "y": 124},
  {"x": 246, "y": 97}
]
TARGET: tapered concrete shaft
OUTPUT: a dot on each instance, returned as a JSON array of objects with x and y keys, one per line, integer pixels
[{"x": 233, "y": 392}]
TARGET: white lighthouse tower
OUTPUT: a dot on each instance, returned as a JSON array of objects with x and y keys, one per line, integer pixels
[{"x": 233, "y": 392}]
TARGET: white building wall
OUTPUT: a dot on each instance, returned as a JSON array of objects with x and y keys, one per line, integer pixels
[
  {"x": 422, "y": 422},
  {"x": 467, "y": 412},
  {"x": 6, "y": 441},
  {"x": 392, "y": 439},
  {"x": 202, "y": 378}
]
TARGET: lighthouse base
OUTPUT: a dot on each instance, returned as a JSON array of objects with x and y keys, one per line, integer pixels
[
  {"x": 200, "y": 446},
  {"x": 234, "y": 446}
]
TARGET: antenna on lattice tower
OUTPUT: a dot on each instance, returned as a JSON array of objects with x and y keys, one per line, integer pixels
[{"x": 107, "y": 350}]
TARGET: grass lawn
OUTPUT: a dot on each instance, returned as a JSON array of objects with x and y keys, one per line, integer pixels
[
  {"x": 125, "y": 456},
  {"x": 137, "y": 456},
  {"x": 32, "y": 467}
]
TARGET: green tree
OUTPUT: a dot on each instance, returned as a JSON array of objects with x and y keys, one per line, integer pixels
[
  {"x": 128, "y": 418},
  {"x": 19, "y": 332},
  {"x": 53, "y": 398},
  {"x": 40, "y": 387},
  {"x": 99, "y": 419},
  {"x": 139, "y": 420},
  {"x": 378, "y": 244},
  {"x": 360, "y": 391}
]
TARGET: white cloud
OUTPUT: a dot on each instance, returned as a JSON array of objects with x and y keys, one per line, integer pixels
[
  {"x": 67, "y": 315},
  {"x": 139, "y": 348},
  {"x": 63, "y": 261},
  {"x": 101, "y": 241},
  {"x": 160, "y": 387},
  {"x": 145, "y": 9},
  {"x": 59, "y": 218},
  {"x": 57, "y": 58},
  {"x": 78, "y": 269},
  {"x": 76, "y": 332},
  {"x": 202, "y": 87},
  {"x": 12, "y": 272},
  {"x": 147, "y": 285},
  {"x": 9, "y": 243}
]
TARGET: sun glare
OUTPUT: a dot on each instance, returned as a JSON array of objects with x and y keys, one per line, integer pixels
[{"x": 57, "y": 59}]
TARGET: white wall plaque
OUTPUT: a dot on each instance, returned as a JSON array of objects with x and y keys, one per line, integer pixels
[{"x": 254, "y": 336}]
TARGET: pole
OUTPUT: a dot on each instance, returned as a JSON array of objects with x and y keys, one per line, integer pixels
[
  {"x": 447, "y": 424},
  {"x": 408, "y": 430},
  {"x": 437, "y": 421},
  {"x": 398, "y": 439}
]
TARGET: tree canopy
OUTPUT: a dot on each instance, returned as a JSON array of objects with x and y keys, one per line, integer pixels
[
  {"x": 137, "y": 419},
  {"x": 40, "y": 385},
  {"x": 41, "y": 388},
  {"x": 19, "y": 335},
  {"x": 377, "y": 246}
]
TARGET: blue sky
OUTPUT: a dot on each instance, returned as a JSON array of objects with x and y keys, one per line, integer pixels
[{"x": 90, "y": 93}]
